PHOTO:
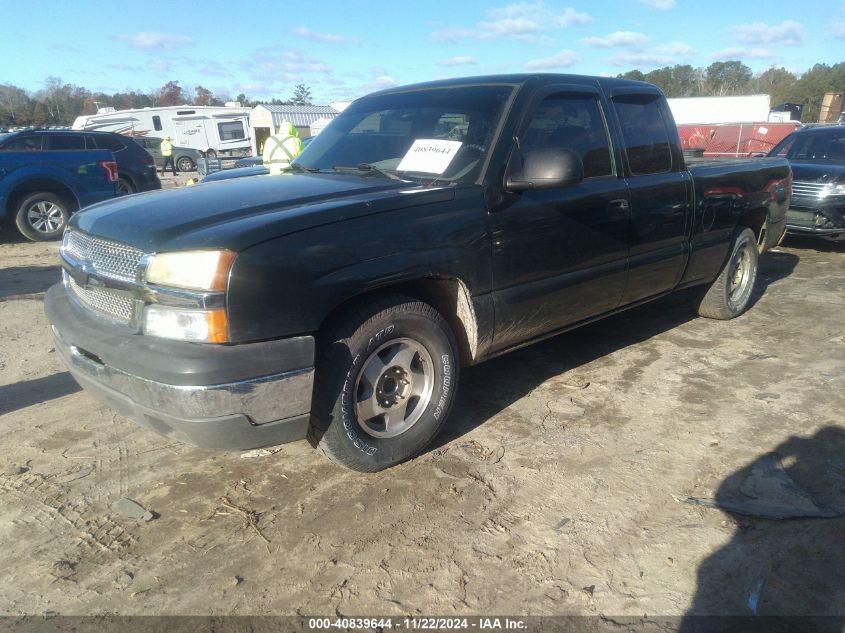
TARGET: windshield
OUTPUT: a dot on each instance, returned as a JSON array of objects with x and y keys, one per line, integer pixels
[
  {"x": 441, "y": 134},
  {"x": 827, "y": 146}
]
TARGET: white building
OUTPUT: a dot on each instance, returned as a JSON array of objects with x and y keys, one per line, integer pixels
[{"x": 264, "y": 119}]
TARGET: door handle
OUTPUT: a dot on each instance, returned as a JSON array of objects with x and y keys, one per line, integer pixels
[{"x": 618, "y": 208}]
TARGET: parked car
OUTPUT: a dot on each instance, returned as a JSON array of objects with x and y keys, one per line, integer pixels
[
  {"x": 40, "y": 189},
  {"x": 185, "y": 158},
  {"x": 136, "y": 168},
  {"x": 436, "y": 226},
  {"x": 817, "y": 157}
]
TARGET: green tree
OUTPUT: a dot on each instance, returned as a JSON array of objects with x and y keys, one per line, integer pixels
[
  {"x": 728, "y": 78},
  {"x": 301, "y": 95}
]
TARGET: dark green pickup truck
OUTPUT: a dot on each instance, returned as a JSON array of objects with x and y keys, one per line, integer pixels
[{"x": 426, "y": 228}]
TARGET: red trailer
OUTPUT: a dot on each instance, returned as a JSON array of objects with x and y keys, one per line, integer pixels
[{"x": 734, "y": 140}]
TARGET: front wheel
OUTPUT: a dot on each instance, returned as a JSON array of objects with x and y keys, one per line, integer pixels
[
  {"x": 42, "y": 217},
  {"x": 730, "y": 293},
  {"x": 385, "y": 383},
  {"x": 185, "y": 164}
]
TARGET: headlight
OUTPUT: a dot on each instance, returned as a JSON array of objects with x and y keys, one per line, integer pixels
[
  {"x": 207, "y": 326},
  {"x": 193, "y": 270},
  {"x": 833, "y": 190}
]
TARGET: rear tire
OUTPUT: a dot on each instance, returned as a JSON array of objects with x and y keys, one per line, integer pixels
[
  {"x": 385, "y": 383},
  {"x": 730, "y": 293},
  {"x": 124, "y": 186},
  {"x": 42, "y": 217}
]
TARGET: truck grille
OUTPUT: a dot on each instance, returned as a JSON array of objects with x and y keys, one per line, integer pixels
[
  {"x": 108, "y": 258},
  {"x": 103, "y": 301},
  {"x": 807, "y": 193}
]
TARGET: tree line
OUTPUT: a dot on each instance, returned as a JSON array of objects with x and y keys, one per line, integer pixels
[
  {"x": 59, "y": 103},
  {"x": 735, "y": 78}
]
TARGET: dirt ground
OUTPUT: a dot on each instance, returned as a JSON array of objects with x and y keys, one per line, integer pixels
[{"x": 558, "y": 487}]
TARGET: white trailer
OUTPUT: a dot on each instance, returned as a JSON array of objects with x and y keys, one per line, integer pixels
[
  {"x": 720, "y": 109},
  {"x": 209, "y": 129}
]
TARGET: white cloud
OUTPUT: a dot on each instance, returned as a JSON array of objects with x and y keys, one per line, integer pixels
[
  {"x": 655, "y": 57},
  {"x": 288, "y": 65},
  {"x": 459, "y": 60},
  {"x": 152, "y": 40},
  {"x": 523, "y": 21},
  {"x": 740, "y": 53},
  {"x": 839, "y": 30},
  {"x": 681, "y": 49},
  {"x": 660, "y": 5},
  {"x": 618, "y": 39},
  {"x": 563, "y": 59},
  {"x": 787, "y": 33},
  {"x": 380, "y": 83},
  {"x": 330, "y": 38}
]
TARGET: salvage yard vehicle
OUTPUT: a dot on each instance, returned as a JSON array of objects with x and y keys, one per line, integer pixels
[
  {"x": 40, "y": 189},
  {"x": 135, "y": 167},
  {"x": 427, "y": 228},
  {"x": 817, "y": 157},
  {"x": 185, "y": 158}
]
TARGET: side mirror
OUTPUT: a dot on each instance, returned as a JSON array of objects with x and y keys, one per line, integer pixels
[{"x": 547, "y": 168}]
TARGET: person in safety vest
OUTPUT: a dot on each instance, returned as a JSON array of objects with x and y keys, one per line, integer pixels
[
  {"x": 167, "y": 155},
  {"x": 281, "y": 148}
]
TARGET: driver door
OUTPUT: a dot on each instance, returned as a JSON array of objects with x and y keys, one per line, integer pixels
[{"x": 560, "y": 255}]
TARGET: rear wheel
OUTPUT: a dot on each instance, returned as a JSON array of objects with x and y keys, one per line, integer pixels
[
  {"x": 184, "y": 163},
  {"x": 124, "y": 186},
  {"x": 385, "y": 383},
  {"x": 42, "y": 216},
  {"x": 211, "y": 154},
  {"x": 730, "y": 294}
]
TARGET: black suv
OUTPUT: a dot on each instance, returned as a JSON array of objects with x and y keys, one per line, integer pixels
[
  {"x": 136, "y": 168},
  {"x": 817, "y": 158}
]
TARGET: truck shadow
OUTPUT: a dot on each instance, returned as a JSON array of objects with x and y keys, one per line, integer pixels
[
  {"x": 26, "y": 281},
  {"x": 789, "y": 567},
  {"x": 489, "y": 388},
  {"x": 26, "y": 393}
]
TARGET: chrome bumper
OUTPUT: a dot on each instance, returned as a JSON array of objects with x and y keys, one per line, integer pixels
[{"x": 262, "y": 400}]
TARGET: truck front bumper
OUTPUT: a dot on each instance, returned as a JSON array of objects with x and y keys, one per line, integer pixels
[{"x": 232, "y": 397}]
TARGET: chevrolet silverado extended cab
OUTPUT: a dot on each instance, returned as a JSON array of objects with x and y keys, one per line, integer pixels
[
  {"x": 39, "y": 190},
  {"x": 426, "y": 228}
]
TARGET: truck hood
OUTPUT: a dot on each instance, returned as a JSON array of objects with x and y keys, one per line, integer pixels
[
  {"x": 239, "y": 213},
  {"x": 817, "y": 171}
]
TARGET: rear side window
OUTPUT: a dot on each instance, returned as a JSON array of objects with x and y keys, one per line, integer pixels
[
  {"x": 157, "y": 122},
  {"x": 645, "y": 134},
  {"x": 66, "y": 142},
  {"x": 574, "y": 122},
  {"x": 111, "y": 143}
]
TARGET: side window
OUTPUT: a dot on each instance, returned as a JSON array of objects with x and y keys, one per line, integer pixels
[
  {"x": 645, "y": 134},
  {"x": 108, "y": 142},
  {"x": 65, "y": 141},
  {"x": 574, "y": 122},
  {"x": 231, "y": 130},
  {"x": 157, "y": 123},
  {"x": 24, "y": 144}
]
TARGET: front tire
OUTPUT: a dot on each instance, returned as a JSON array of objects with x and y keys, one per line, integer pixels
[
  {"x": 385, "y": 383},
  {"x": 42, "y": 217},
  {"x": 730, "y": 293},
  {"x": 185, "y": 164}
]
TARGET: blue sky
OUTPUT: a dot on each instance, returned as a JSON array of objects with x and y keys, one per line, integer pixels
[{"x": 345, "y": 49}]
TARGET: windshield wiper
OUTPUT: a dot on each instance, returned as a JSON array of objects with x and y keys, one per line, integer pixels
[
  {"x": 367, "y": 167},
  {"x": 298, "y": 167}
]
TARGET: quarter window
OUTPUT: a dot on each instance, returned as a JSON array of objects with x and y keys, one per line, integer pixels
[
  {"x": 645, "y": 134},
  {"x": 573, "y": 122}
]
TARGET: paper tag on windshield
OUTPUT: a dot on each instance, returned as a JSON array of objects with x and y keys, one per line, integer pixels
[{"x": 430, "y": 156}]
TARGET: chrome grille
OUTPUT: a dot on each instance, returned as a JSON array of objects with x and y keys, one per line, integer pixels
[
  {"x": 807, "y": 191},
  {"x": 108, "y": 258},
  {"x": 102, "y": 300}
]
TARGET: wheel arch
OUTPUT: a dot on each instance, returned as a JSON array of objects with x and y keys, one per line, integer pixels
[
  {"x": 39, "y": 185},
  {"x": 449, "y": 295},
  {"x": 757, "y": 220}
]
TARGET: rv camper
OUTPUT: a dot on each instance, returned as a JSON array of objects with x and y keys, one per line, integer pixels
[{"x": 208, "y": 129}]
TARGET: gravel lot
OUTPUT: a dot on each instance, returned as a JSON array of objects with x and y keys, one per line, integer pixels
[{"x": 558, "y": 487}]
